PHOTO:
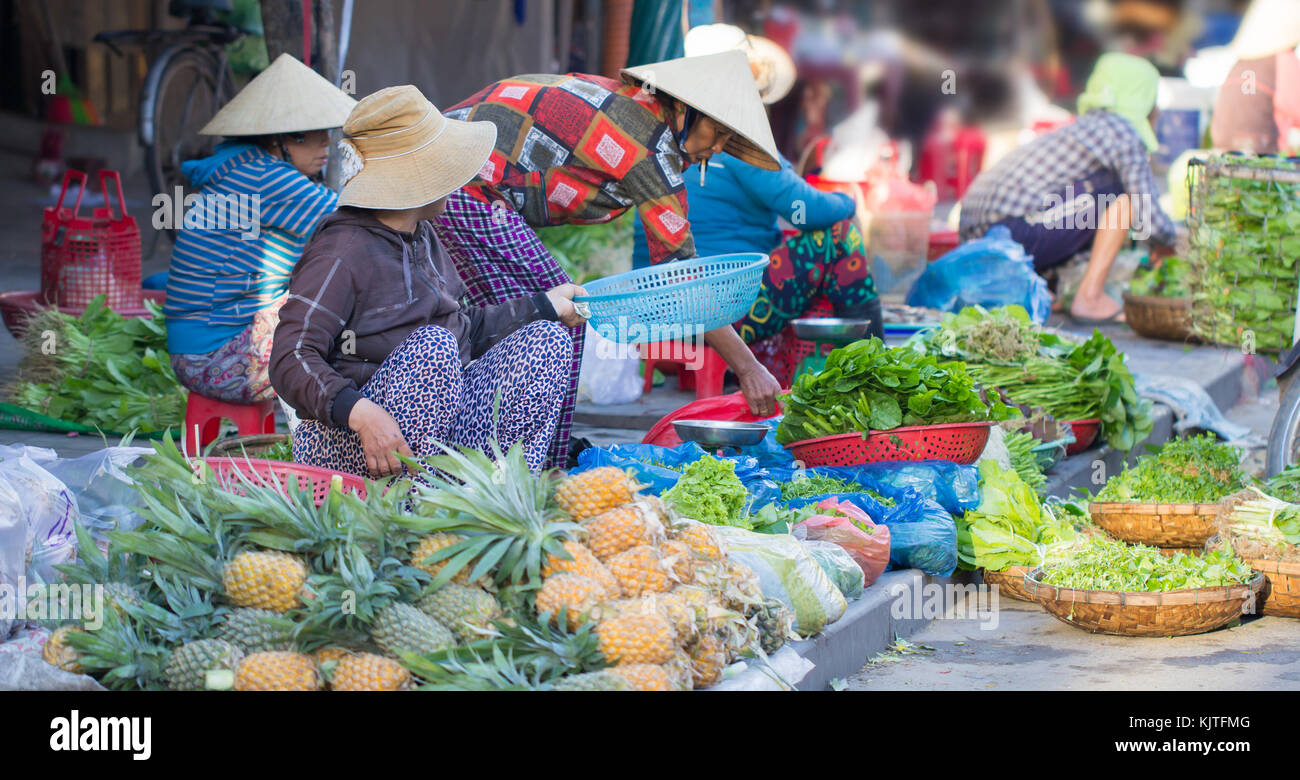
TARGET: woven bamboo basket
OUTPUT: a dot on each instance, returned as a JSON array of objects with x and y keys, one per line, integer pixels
[
  {"x": 1126, "y": 613},
  {"x": 1280, "y": 595},
  {"x": 1159, "y": 318},
  {"x": 1010, "y": 582},
  {"x": 1158, "y": 525}
]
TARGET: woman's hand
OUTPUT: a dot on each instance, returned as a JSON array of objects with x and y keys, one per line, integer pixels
[
  {"x": 760, "y": 389},
  {"x": 562, "y": 299},
  {"x": 380, "y": 437}
]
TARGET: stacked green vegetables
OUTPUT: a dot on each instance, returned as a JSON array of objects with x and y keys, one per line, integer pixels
[
  {"x": 1020, "y": 446},
  {"x": 1003, "y": 349},
  {"x": 99, "y": 369},
  {"x": 1100, "y": 563},
  {"x": 1194, "y": 470},
  {"x": 1246, "y": 240},
  {"x": 867, "y": 386},
  {"x": 1009, "y": 527}
]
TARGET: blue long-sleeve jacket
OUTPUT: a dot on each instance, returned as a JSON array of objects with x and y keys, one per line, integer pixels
[{"x": 737, "y": 208}]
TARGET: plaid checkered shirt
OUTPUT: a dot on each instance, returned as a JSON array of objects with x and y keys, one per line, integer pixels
[{"x": 1027, "y": 180}]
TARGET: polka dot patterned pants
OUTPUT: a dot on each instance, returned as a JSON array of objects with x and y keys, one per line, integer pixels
[{"x": 422, "y": 385}]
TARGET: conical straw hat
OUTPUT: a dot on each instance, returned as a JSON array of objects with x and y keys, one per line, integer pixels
[
  {"x": 721, "y": 86},
  {"x": 287, "y": 97},
  {"x": 1269, "y": 27},
  {"x": 773, "y": 69},
  {"x": 401, "y": 153}
]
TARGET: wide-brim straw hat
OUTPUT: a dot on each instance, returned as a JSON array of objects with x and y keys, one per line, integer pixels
[
  {"x": 773, "y": 69},
  {"x": 720, "y": 86},
  {"x": 287, "y": 97},
  {"x": 402, "y": 153},
  {"x": 1269, "y": 27}
]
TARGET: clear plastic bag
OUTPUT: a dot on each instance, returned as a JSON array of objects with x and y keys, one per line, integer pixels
[
  {"x": 869, "y": 550},
  {"x": 786, "y": 571},
  {"x": 839, "y": 566},
  {"x": 47, "y": 506},
  {"x": 611, "y": 372}
]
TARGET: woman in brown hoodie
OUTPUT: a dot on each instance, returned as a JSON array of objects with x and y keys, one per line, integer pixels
[{"x": 374, "y": 349}]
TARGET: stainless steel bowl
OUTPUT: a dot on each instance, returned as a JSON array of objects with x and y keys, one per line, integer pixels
[
  {"x": 719, "y": 433},
  {"x": 831, "y": 329}
]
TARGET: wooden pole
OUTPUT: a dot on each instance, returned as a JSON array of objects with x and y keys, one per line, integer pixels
[
  {"x": 327, "y": 57},
  {"x": 282, "y": 27}
]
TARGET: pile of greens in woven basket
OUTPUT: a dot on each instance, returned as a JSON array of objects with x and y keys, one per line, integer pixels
[
  {"x": 1245, "y": 236},
  {"x": 1194, "y": 470},
  {"x": 1168, "y": 280},
  {"x": 1004, "y": 349},
  {"x": 867, "y": 386},
  {"x": 99, "y": 369},
  {"x": 1102, "y": 563}
]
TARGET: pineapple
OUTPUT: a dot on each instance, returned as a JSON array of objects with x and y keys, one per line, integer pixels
[
  {"x": 188, "y": 667},
  {"x": 57, "y": 652},
  {"x": 368, "y": 672},
  {"x": 116, "y": 596},
  {"x": 735, "y": 584},
  {"x": 680, "y": 671},
  {"x": 432, "y": 543},
  {"x": 775, "y": 624},
  {"x": 679, "y": 612},
  {"x": 680, "y": 559},
  {"x": 579, "y": 596},
  {"x": 604, "y": 680},
  {"x": 636, "y": 639},
  {"x": 265, "y": 579},
  {"x": 329, "y": 654},
  {"x": 592, "y": 492},
  {"x": 708, "y": 659},
  {"x": 645, "y": 677},
  {"x": 699, "y": 539},
  {"x": 468, "y": 611},
  {"x": 401, "y": 628},
  {"x": 621, "y": 528},
  {"x": 277, "y": 671},
  {"x": 641, "y": 570},
  {"x": 256, "y": 630},
  {"x": 583, "y": 562}
]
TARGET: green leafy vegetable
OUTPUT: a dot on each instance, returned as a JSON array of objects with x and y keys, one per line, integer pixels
[
  {"x": 867, "y": 386},
  {"x": 709, "y": 491},
  {"x": 1169, "y": 280},
  {"x": 1009, "y": 527},
  {"x": 1194, "y": 470},
  {"x": 1101, "y": 563},
  {"x": 1021, "y": 445},
  {"x": 1286, "y": 485},
  {"x": 1265, "y": 520},
  {"x": 820, "y": 484}
]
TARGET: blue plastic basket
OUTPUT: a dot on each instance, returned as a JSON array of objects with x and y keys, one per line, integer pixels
[{"x": 677, "y": 300}]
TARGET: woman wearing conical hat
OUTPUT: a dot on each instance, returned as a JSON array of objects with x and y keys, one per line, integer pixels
[
  {"x": 583, "y": 149},
  {"x": 258, "y": 202},
  {"x": 375, "y": 350},
  {"x": 738, "y": 207}
]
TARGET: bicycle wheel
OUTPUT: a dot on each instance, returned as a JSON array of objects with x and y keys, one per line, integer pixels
[
  {"x": 1284, "y": 438},
  {"x": 184, "y": 97}
]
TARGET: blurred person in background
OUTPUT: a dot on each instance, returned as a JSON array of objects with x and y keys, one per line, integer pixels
[
  {"x": 226, "y": 282},
  {"x": 1049, "y": 192},
  {"x": 1257, "y": 109},
  {"x": 739, "y": 207}
]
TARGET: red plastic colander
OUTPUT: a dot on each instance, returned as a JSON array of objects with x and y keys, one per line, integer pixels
[
  {"x": 1085, "y": 433},
  {"x": 960, "y": 443},
  {"x": 272, "y": 472}
]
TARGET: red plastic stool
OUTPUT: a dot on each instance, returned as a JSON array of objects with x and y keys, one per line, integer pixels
[
  {"x": 698, "y": 366},
  {"x": 205, "y": 414}
]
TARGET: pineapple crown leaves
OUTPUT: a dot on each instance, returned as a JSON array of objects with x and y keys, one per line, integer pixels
[
  {"x": 123, "y": 653},
  {"x": 93, "y": 566},
  {"x": 501, "y": 508},
  {"x": 349, "y": 598},
  {"x": 466, "y": 670}
]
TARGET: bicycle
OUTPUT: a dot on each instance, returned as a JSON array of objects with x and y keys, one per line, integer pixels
[{"x": 187, "y": 82}]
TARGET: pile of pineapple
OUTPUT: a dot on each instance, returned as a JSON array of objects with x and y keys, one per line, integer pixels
[{"x": 476, "y": 575}]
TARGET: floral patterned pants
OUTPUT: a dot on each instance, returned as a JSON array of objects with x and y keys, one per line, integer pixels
[
  {"x": 237, "y": 372},
  {"x": 432, "y": 399},
  {"x": 831, "y": 263}
]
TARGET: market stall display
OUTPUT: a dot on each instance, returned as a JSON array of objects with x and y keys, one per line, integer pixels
[
  {"x": 1264, "y": 531},
  {"x": 1170, "y": 498},
  {"x": 1245, "y": 235},
  {"x": 98, "y": 371},
  {"x": 1003, "y": 349},
  {"x": 1158, "y": 301},
  {"x": 1106, "y": 586}
]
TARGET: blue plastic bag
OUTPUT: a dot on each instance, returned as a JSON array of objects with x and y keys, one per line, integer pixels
[
  {"x": 922, "y": 534},
  {"x": 953, "y": 487},
  {"x": 990, "y": 271},
  {"x": 649, "y": 462}
]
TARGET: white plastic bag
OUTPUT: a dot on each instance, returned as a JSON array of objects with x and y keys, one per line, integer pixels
[
  {"x": 48, "y": 507},
  {"x": 611, "y": 372},
  {"x": 787, "y": 572}
]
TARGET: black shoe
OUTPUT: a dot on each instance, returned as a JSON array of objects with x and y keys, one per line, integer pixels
[{"x": 871, "y": 310}]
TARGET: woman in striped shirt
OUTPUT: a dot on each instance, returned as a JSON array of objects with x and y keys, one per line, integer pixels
[{"x": 259, "y": 201}]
